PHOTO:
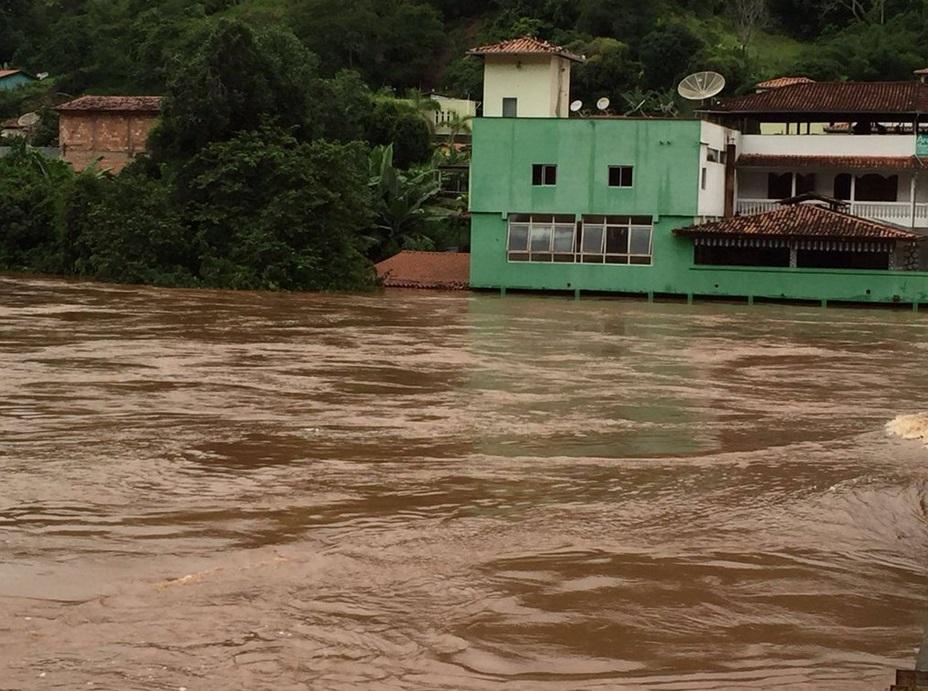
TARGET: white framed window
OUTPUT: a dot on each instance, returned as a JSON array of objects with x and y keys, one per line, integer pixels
[
  {"x": 616, "y": 240},
  {"x": 621, "y": 176},
  {"x": 595, "y": 240},
  {"x": 544, "y": 174},
  {"x": 542, "y": 238}
]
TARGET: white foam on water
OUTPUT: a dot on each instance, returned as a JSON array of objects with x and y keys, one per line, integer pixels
[{"x": 914, "y": 426}]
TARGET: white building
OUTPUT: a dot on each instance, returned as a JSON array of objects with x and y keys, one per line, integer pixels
[{"x": 526, "y": 78}]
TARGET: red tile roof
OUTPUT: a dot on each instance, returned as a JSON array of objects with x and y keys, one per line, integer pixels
[
  {"x": 139, "y": 104},
  {"x": 783, "y": 81},
  {"x": 800, "y": 221},
  {"x": 527, "y": 45},
  {"x": 839, "y": 98},
  {"x": 441, "y": 270},
  {"x": 836, "y": 162}
]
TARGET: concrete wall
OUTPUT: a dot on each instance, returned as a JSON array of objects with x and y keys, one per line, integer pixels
[
  {"x": 829, "y": 145},
  {"x": 712, "y": 198},
  {"x": 664, "y": 153},
  {"x": 540, "y": 83},
  {"x": 113, "y": 139}
]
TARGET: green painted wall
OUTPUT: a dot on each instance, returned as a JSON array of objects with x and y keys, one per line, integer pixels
[{"x": 665, "y": 154}]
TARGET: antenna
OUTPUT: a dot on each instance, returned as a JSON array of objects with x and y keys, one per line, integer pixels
[
  {"x": 603, "y": 104},
  {"x": 576, "y": 106},
  {"x": 28, "y": 120},
  {"x": 701, "y": 85}
]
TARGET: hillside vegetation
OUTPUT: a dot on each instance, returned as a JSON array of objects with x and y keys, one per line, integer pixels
[{"x": 636, "y": 45}]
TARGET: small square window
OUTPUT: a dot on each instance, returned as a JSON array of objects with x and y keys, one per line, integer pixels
[
  {"x": 620, "y": 176},
  {"x": 510, "y": 107},
  {"x": 704, "y": 178},
  {"x": 544, "y": 174}
]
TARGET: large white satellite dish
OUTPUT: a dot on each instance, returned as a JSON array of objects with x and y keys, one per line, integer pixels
[
  {"x": 28, "y": 120},
  {"x": 701, "y": 85},
  {"x": 576, "y": 106}
]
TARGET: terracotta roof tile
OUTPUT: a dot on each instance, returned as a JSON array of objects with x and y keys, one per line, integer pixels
[
  {"x": 783, "y": 81},
  {"x": 837, "y": 162},
  {"x": 840, "y": 98},
  {"x": 442, "y": 270},
  {"x": 526, "y": 45},
  {"x": 800, "y": 221},
  {"x": 142, "y": 104}
]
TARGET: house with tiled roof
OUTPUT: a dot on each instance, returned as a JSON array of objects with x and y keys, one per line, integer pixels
[
  {"x": 526, "y": 77},
  {"x": 833, "y": 207},
  {"x": 106, "y": 131},
  {"x": 14, "y": 79}
]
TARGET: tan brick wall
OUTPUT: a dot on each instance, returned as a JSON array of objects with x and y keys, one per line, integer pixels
[{"x": 111, "y": 138}]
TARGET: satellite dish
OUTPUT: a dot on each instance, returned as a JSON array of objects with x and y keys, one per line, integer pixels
[
  {"x": 29, "y": 119},
  {"x": 576, "y": 106},
  {"x": 603, "y": 103},
  {"x": 701, "y": 85}
]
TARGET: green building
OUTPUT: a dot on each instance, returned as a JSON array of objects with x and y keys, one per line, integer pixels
[{"x": 699, "y": 207}]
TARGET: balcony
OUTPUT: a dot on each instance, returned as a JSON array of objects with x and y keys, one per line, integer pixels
[
  {"x": 882, "y": 145},
  {"x": 896, "y": 213}
]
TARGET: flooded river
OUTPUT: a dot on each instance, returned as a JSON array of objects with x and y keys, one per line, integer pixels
[{"x": 207, "y": 490}]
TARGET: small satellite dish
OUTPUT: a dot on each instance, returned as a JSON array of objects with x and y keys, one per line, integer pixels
[
  {"x": 701, "y": 85},
  {"x": 576, "y": 106},
  {"x": 28, "y": 120},
  {"x": 603, "y": 103}
]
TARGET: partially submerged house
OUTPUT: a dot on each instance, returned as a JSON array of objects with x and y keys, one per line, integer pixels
[
  {"x": 108, "y": 131},
  {"x": 693, "y": 207},
  {"x": 14, "y": 79}
]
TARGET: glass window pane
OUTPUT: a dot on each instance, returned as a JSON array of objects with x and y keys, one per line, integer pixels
[
  {"x": 537, "y": 178},
  {"x": 550, "y": 175},
  {"x": 626, "y": 176},
  {"x": 593, "y": 220},
  {"x": 541, "y": 238},
  {"x": 593, "y": 239},
  {"x": 518, "y": 237},
  {"x": 563, "y": 238},
  {"x": 617, "y": 241},
  {"x": 640, "y": 241},
  {"x": 641, "y": 220},
  {"x": 617, "y": 220}
]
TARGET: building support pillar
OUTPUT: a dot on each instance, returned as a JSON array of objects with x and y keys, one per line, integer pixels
[
  {"x": 913, "y": 190},
  {"x": 576, "y": 293},
  {"x": 502, "y": 291},
  {"x": 793, "y": 255},
  {"x": 731, "y": 155}
]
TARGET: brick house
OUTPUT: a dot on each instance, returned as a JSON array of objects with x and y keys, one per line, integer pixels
[{"x": 110, "y": 130}]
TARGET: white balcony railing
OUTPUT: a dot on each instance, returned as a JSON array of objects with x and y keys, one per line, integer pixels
[{"x": 897, "y": 213}]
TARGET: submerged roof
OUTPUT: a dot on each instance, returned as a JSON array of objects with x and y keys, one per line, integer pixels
[
  {"x": 838, "y": 98},
  {"x": 439, "y": 270},
  {"x": 9, "y": 73},
  {"x": 836, "y": 162},
  {"x": 800, "y": 221},
  {"x": 526, "y": 45},
  {"x": 783, "y": 81},
  {"x": 138, "y": 104}
]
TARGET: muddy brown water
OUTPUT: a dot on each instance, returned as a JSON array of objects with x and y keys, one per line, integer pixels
[{"x": 208, "y": 490}]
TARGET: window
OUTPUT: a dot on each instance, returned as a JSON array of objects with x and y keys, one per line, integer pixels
[
  {"x": 615, "y": 240},
  {"x": 541, "y": 238},
  {"x": 544, "y": 175},
  {"x": 620, "y": 176},
  {"x": 703, "y": 179},
  {"x": 779, "y": 186},
  {"x": 510, "y": 107},
  {"x": 876, "y": 188}
]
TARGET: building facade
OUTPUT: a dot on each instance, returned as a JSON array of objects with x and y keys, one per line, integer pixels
[
  {"x": 709, "y": 206},
  {"x": 14, "y": 79},
  {"x": 108, "y": 131}
]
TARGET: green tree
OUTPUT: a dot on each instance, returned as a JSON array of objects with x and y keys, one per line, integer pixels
[
  {"x": 269, "y": 212},
  {"x": 666, "y": 54}
]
